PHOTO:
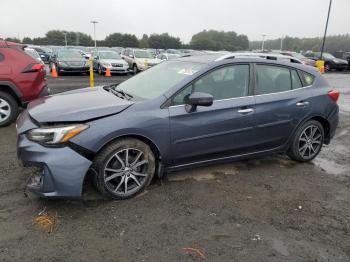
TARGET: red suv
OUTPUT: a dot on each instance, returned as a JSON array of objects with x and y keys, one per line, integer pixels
[{"x": 22, "y": 79}]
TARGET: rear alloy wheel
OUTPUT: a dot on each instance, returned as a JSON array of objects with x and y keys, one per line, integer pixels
[
  {"x": 124, "y": 168},
  {"x": 308, "y": 142},
  {"x": 8, "y": 109}
]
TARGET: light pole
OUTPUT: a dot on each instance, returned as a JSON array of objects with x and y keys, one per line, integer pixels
[
  {"x": 263, "y": 42},
  {"x": 65, "y": 38},
  {"x": 281, "y": 43},
  {"x": 325, "y": 31},
  {"x": 94, "y": 23}
]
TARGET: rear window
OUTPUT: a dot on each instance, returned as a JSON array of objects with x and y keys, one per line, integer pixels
[{"x": 307, "y": 78}]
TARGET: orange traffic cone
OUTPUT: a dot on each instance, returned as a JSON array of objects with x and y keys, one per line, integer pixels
[
  {"x": 108, "y": 72},
  {"x": 54, "y": 71},
  {"x": 322, "y": 70}
]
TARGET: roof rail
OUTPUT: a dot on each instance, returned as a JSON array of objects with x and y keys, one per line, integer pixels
[{"x": 266, "y": 56}]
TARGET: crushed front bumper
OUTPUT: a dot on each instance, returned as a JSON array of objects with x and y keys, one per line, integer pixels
[{"x": 59, "y": 171}]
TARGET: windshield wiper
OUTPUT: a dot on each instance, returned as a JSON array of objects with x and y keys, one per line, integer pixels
[{"x": 118, "y": 92}]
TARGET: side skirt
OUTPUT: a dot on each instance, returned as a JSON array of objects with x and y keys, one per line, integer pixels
[{"x": 226, "y": 159}]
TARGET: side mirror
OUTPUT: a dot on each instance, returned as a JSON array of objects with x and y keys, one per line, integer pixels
[
  {"x": 198, "y": 99},
  {"x": 97, "y": 57},
  {"x": 131, "y": 56}
]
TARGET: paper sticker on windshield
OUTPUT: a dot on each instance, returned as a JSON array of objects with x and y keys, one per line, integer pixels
[{"x": 187, "y": 71}]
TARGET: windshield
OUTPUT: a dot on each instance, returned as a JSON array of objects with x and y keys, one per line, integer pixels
[
  {"x": 109, "y": 55},
  {"x": 32, "y": 53},
  {"x": 325, "y": 55},
  {"x": 157, "y": 80},
  {"x": 172, "y": 56},
  {"x": 69, "y": 54},
  {"x": 142, "y": 54},
  {"x": 299, "y": 56}
]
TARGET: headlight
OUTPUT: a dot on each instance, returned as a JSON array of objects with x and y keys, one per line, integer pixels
[
  {"x": 55, "y": 135},
  {"x": 62, "y": 63},
  {"x": 106, "y": 64}
]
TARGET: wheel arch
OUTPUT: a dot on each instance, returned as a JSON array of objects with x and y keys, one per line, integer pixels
[
  {"x": 155, "y": 150},
  {"x": 326, "y": 127},
  {"x": 11, "y": 89},
  {"x": 319, "y": 118}
]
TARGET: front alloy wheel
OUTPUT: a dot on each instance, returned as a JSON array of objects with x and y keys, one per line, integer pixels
[
  {"x": 307, "y": 142},
  {"x": 8, "y": 109},
  {"x": 125, "y": 168},
  {"x": 135, "y": 69}
]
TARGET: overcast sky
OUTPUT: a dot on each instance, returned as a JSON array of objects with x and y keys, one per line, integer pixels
[{"x": 180, "y": 18}]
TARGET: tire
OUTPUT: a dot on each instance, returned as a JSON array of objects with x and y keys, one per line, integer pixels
[
  {"x": 114, "y": 172},
  {"x": 327, "y": 68},
  {"x": 59, "y": 73},
  {"x": 8, "y": 109},
  {"x": 307, "y": 141},
  {"x": 135, "y": 69}
]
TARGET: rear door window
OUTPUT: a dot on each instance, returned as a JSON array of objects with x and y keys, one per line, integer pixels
[
  {"x": 296, "y": 82},
  {"x": 1, "y": 57},
  {"x": 272, "y": 79}
]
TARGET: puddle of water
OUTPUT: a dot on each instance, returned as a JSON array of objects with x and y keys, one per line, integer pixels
[
  {"x": 203, "y": 173},
  {"x": 331, "y": 167}
]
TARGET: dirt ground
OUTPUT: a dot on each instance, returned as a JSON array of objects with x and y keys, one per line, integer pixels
[{"x": 267, "y": 209}]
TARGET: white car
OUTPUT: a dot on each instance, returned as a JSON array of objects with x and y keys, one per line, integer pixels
[
  {"x": 109, "y": 59},
  {"x": 139, "y": 60},
  {"x": 33, "y": 53}
]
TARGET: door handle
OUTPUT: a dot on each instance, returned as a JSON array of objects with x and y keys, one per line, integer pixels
[
  {"x": 246, "y": 110},
  {"x": 303, "y": 103}
]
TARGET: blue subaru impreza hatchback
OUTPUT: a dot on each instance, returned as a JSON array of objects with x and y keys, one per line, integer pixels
[{"x": 182, "y": 113}]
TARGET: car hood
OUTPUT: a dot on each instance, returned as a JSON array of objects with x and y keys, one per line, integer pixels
[
  {"x": 148, "y": 60},
  {"x": 340, "y": 61},
  {"x": 72, "y": 59},
  {"x": 77, "y": 106},
  {"x": 114, "y": 61}
]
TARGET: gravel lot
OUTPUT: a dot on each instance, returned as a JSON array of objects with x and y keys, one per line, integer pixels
[{"x": 266, "y": 209}]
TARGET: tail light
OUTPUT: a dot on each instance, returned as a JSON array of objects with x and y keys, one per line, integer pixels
[
  {"x": 334, "y": 95},
  {"x": 33, "y": 68}
]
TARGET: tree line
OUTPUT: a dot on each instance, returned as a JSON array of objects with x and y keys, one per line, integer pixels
[
  {"x": 332, "y": 44},
  {"x": 205, "y": 40}
]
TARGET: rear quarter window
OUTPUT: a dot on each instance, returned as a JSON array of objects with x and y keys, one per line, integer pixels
[
  {"x": 308, "y": 79},
  {"x": 1, "y": 57}
]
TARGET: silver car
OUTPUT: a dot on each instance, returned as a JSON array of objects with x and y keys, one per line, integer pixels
[{"x": 109, "y": 59}]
